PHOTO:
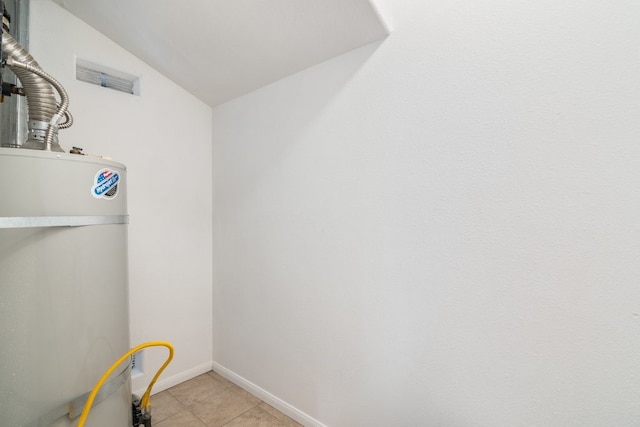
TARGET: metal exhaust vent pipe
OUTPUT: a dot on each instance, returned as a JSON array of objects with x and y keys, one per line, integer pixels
[{"x": 44, "y": 110}]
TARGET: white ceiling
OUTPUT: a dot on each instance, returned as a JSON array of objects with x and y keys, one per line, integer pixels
[{"x": 221, "y": 49}]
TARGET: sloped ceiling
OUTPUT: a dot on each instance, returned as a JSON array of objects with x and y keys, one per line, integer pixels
[{"x": 221, "y": 49}]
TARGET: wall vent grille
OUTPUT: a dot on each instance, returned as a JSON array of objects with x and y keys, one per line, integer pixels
[{"x": 106, "y": 77}]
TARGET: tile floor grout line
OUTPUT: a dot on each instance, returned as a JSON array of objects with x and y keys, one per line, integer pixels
[
  {"x": 198, "y": 418},
  {"x": 177, "y": 400},
  {"x": 183, "y": 406},
  {"x": 253, "y": 407}
]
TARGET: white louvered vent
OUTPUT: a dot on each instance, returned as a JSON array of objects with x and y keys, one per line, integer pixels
[
  {"x": 106, "y": 77},
  {"x": 137, "y": 364}
]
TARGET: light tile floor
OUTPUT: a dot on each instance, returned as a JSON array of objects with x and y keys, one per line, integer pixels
[{"x": 209, "y": 400}]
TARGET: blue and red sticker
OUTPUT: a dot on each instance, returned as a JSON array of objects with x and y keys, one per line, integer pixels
[{"x": 105, "y": 184}]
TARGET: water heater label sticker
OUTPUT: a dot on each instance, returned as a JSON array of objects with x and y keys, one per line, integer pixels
[{"x": 105, "y": 184}]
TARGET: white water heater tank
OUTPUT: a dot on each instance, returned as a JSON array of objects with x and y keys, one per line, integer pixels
[{"x": 63, "y": 288}]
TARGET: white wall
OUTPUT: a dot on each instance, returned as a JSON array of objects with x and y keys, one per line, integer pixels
[
  {"x": 441, "y": 229},
  {"x": 164, "y": 138}
]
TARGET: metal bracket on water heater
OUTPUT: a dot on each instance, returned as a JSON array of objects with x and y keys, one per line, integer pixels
[
  {"x": 74, "y": 408},
  {"x": 61, "y": 221}
]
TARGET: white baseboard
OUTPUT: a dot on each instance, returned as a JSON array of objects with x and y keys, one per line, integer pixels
[
  {"x": 267, "y": 397},
  {"x": 176, "y": 379}
]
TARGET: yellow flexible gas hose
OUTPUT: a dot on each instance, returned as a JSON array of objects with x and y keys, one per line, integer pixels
[{"x": 144, "y": 404}]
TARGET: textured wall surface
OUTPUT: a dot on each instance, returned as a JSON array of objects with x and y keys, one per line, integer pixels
[{"x": 441, "y": 228}]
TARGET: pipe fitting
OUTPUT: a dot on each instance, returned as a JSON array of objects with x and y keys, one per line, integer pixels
[{"x": 41, "y": 101}]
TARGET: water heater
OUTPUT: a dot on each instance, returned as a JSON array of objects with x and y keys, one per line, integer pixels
[{"x": 63, "y": 288}]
